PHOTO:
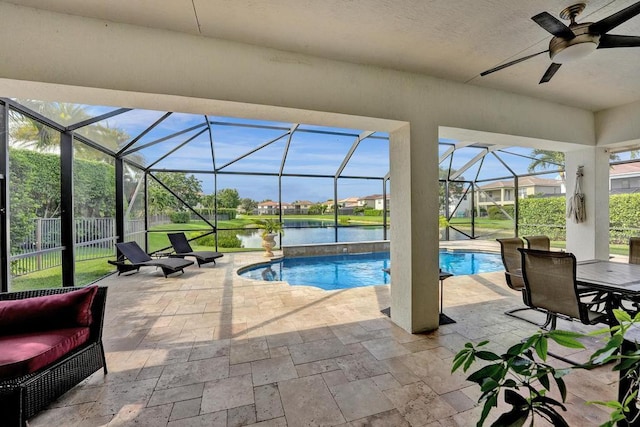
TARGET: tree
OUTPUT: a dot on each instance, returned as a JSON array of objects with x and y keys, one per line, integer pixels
[
  {"x": 188, "y": 187},
  {"x": 32, "y": 134},
  {"x": 544, "y": 159},
  {"x": 228, "y": 198},
  {"x": 317, "y": 209},
  {"x": 456, "y": 188},
  {"x": 248, "y": 205}
]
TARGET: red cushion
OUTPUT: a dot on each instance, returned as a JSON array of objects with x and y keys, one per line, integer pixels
[
  {"x": 22, "y": 354},
  {"x": 65, "y": 310}
]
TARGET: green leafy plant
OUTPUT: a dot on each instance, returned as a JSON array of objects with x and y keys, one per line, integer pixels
[
  {"x": 626, "y": 358},
  {"x": 269, "y": 226},
  {"x": 442, "y": 222},
  {"x": 522, "y": 378}
]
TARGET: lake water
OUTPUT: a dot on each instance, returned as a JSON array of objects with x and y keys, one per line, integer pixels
[{"x": 322, "y": 232}]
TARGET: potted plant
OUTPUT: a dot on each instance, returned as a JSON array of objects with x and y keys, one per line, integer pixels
[{"x": 270, "y": 228}]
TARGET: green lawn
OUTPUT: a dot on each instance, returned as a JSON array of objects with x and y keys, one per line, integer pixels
[
  {"x": 86, "y": 272},
  {"x": 91, "y": 270}
]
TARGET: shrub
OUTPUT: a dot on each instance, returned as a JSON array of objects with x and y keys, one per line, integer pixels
[
  {"x": 372, "y": 212},
  {"x": 495, "y": 212},
  {"x": 228, "y": 239},
  {"x": 180, "y": 217}
]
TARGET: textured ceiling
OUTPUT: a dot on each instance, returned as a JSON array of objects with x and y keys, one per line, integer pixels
[{"x": 452, "y": 39}]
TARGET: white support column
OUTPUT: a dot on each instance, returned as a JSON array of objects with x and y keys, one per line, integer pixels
[
  {"x": 414, "y": 227},
  {"x": 590, "y": 239}
]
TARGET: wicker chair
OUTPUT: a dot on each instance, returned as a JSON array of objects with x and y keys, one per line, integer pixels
[
  {"x": 24, "y": 396},
  {"x": 550, "y": 284},
  {"x": 634, "y": 250},
  {"x": 541, "y": 243}
]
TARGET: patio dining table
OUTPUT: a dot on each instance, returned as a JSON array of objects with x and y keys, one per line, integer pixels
[
  {"x": 620, "y": 282},
  {"x": 617, "y": 278}
]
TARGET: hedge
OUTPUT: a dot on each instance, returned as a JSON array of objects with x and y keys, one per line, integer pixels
[{"x": 543, "y": 216}]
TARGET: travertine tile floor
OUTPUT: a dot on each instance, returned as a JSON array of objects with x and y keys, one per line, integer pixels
[{"x": 209, "y": 348}]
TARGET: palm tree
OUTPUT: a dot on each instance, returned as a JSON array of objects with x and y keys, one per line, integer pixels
[
  {"x": 32, "y": 134},
  {"x": 544, "y": 159}
]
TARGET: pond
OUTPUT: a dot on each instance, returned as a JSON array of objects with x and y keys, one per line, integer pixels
[{"x": 322, "y": 232}]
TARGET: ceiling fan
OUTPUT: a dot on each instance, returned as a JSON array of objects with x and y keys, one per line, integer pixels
[{"x": 576, "y": 41}]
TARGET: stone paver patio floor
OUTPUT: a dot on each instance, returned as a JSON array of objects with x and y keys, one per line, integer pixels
[{"x": 209, "y": 348}]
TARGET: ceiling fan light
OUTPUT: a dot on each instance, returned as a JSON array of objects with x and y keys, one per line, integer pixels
[{"x": 574, "y": 52}]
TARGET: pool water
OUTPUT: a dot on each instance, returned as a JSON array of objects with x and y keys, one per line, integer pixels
[{"x": 356, "y": 270}]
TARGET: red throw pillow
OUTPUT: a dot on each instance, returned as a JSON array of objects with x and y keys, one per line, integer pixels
[{"x": 65, "y": 310}]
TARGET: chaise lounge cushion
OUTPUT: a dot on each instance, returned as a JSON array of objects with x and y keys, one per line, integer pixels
[
  {"x": 65, "y": 310},
  {"x": 24, "y": 353}
]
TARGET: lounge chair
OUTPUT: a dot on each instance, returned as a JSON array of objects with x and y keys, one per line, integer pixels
[
  {"x": 182, "y": 248},
  {"x": 139, "y": 258}
]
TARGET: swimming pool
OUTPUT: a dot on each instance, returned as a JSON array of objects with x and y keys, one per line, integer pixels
[{"x": 356, "y": 270}]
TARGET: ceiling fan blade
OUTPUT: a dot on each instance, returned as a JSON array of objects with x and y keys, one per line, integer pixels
[
  {"x": 553, "y": 25},
  {"x": 612, "y": 21},
  {"x": 508, "y": 64},
  {"x": 553, "y": 68},
  {"x": 609, "y": 41}
]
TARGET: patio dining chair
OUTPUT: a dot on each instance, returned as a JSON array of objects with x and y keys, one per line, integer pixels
[
  {"x": 550, "y": 284},
  {"x": 541, "y": 243},
  {"x": 634, "y": 250},
  {"x": 511, "y": 259}
]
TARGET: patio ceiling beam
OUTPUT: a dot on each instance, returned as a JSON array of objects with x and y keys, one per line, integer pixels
[
  {"x": 252, "y": 151},
  {"x": 473, "y": 161},
  {"x": 173, "y": 150},
  {"x": 352, "y": 150},
  {"x": 157, "y": 141},
  {"x": 96, "y": 119},
  {"x": 144, "y": 132}
]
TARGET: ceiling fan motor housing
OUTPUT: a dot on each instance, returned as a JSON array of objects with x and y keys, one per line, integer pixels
[{"x": 562, "y": 50}]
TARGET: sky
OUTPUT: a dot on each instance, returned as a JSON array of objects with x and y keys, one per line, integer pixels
[{"x": 236, "y": 149}]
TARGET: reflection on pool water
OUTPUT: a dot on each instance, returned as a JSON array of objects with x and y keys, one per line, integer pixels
[{"x": 356, "y": 270}]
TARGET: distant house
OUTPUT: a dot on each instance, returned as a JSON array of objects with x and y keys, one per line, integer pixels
[
  {"x": 624, "y": 178},
  {"x": 349, "y": 202},
  {"x": 374, "y": 201},
  {"x": 504, "y": 192},
  {"x": 272, "y": 208},
  {"x": 301, "y": 207}
]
